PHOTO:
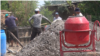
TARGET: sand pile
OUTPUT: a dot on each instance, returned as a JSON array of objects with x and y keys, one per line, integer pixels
[{"x": 47, "y": 44}]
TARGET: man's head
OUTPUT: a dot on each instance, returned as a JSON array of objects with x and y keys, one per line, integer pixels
[
  {"x": 37, "y": 11},
  {"x": 56, "y": 14},
  {"x": 6, "y": 15},
  {"x": 77, "y": 10}
]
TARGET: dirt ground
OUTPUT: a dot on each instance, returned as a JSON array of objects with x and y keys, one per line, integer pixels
[{"x": 14, "y": 49}]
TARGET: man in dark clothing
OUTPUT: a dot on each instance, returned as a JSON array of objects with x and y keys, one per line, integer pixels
[
  {"x": 37, "y": 23},
  {"x": 78, "y": 13},
  {"x": 11, "y": 26}
]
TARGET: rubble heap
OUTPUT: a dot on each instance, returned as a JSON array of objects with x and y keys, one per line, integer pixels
[{"x": 47, "y": 43}]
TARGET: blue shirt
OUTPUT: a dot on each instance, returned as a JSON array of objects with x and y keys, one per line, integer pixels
[{"x": 10, "y": 22}]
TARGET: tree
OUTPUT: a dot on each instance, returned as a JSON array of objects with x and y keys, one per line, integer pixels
[
  {"x": 69, "y": 3},
  {"x": 57, "y": 2},
  {"x": 90, "y": 8},
  {"x": 47, "y": 13},
  {"x": 54, "y": 2},
  {"x": 23, "y": 10},
  {"x": 4, "y": 5},
  {"x": 47, "y": 3}
]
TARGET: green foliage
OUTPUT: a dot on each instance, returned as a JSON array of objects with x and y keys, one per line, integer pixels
[
  {"x": 69, "y": 3},
  {"x": 57, "y": 2},
  {"x": 23, "y": 10},
  {"x": 63, "y": 8},
  {"x": 4, "y": 5},
  {"x": 47, "y": 13},
  {"x": 94, "y": 18},
  {"x": 53, "y": 2},
  {"x": 91, "y": 8},
  {"x": 47, "y": 3}
]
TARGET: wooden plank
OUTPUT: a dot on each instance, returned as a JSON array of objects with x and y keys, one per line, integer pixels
[
  {"x": 24, "y": 27},
  {"x": 94, "y": 53},
  {"x": 44, "y": 24},
  {"x": 6, "y": 12},
  {"x": 15, "y": 38}
]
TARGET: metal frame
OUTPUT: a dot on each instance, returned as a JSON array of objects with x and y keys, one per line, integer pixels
[{"x": 93, "y": 37}]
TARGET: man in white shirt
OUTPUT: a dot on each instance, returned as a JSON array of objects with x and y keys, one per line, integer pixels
[
  {"x": 78, "y": 13},
  {"x": 57, "y": 17}
]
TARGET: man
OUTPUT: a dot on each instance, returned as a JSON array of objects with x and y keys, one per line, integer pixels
[
  {"x": 37, "y": 23},
  {"x": 78, "y": 13},
  {"x": 11, "y": 26},
  {"x": 57, "y": 17}
]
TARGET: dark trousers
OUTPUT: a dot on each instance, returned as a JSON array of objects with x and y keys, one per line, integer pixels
[
  {"x": 35, "y": 32},
  {"x": 9, "y": 36}
]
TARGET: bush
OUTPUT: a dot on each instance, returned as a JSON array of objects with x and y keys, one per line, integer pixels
[
  {"x": 94, "y": 18},
  {"x": 46, "y": 13},
  {"x": 23, "y": 10}
]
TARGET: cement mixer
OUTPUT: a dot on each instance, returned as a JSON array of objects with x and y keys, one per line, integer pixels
[{"x": 76, "y": 32}]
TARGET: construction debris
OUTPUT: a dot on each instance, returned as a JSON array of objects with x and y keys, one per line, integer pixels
[{"x": 47, "y": 43}]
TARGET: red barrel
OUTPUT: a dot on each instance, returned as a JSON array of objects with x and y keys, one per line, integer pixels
[{"x": 77, "y": 30}]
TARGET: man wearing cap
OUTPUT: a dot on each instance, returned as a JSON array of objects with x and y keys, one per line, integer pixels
[
  {"x": 57, "y": 17},
  {"x": 11, "y": 26},
  {"x": 78, "y": 13},
  {"x": 36, "y": 27}
]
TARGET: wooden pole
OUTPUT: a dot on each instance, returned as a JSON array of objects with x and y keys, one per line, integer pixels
[{"x": 15, "y": 38}]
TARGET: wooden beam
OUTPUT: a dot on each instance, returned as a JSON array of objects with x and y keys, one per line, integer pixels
[
  {"x": 15, "y": 38},
  {"x": 6, "y": 12},
  {"x": 44, "y": 24},
  {"x": 93, "y": 53}
]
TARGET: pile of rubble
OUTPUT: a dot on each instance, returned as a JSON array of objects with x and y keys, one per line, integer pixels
[{"x": 47, "y": 43}]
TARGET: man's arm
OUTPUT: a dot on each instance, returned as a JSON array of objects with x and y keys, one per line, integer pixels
[
  {"x": 30, "y": 22},
  {"x": 16, "y": 19},
  {"x": 46, "y": 19}
]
